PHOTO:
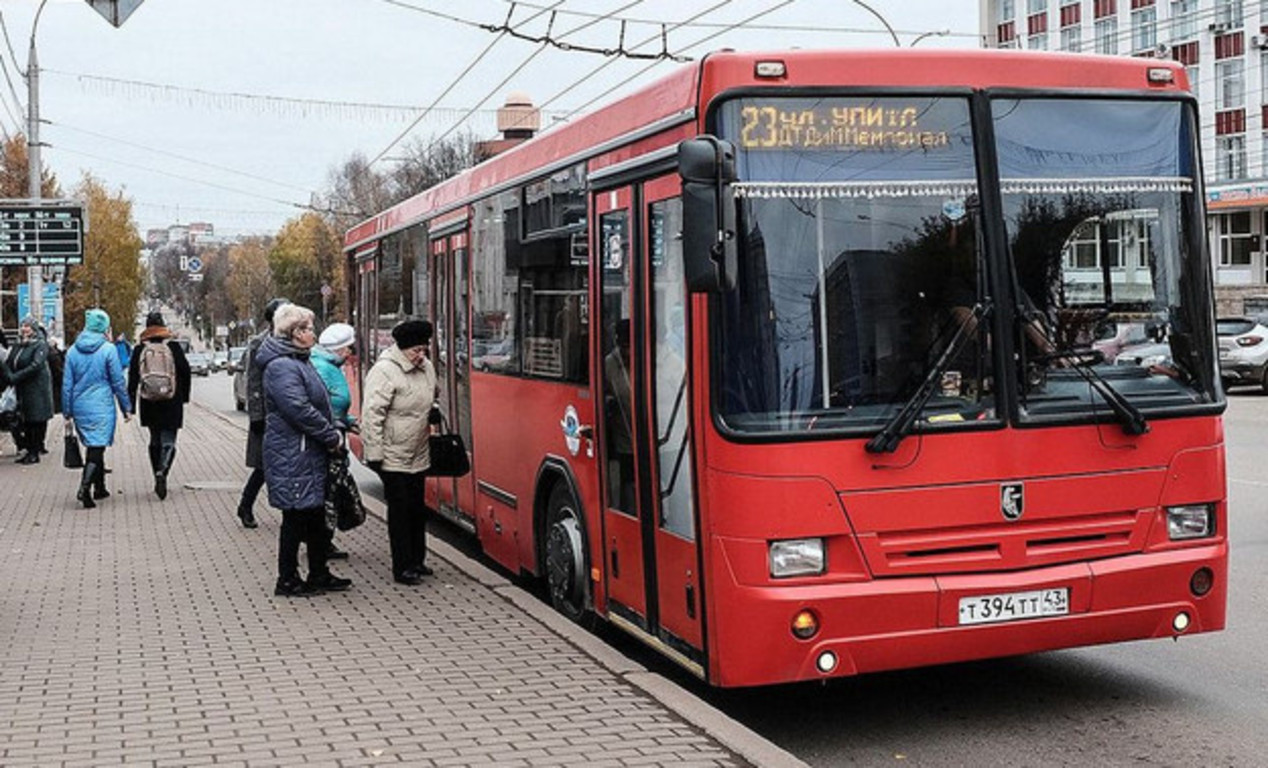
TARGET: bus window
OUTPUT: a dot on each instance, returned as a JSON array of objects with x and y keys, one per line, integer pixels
[
  {"x": 617, "y": 340},
  {"x": 495, "y": 284},
  {"x": 669, "y": 326}
]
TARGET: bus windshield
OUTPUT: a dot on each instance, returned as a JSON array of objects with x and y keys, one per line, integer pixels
[
  {"x": 1100, "y": 208},
  {"x": 863, "y": 255},
  {"x": 860, "y": 260}
]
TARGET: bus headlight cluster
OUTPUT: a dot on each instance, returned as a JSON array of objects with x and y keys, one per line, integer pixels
[
  {"x": 1196, "y": 521},
  {"x": 796, "y": 557}
]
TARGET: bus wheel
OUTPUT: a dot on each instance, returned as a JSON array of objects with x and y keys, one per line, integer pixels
[{"x": 565, "y": 555}]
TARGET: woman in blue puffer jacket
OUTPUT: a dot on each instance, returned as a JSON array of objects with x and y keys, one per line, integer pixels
[
  {"x": 299, "y": 434},
  {"x": 92, "y": 384}
]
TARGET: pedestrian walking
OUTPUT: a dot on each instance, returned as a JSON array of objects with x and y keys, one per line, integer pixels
[
  {"x": 91, "y": 386},
  {"x": 299, "y": 434},
  {"x": 255, "y": 416},
  {"x": 334, "y": 348},
  {"x": 9, "y": 420},
  {"x": 56, "y": 369},
  {"x": 27, "y": 369},
  {"x": 396, "y": 412},
  {"x": 124, "y": 349},
  {"x": 158, "y": 385}
]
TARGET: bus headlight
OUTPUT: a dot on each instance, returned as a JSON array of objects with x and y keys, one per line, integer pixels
[
  {"x": 1196, "y": 521},
  {"x": 796, "y": 557}
]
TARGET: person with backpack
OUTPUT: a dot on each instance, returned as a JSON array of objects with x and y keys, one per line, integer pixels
[{"x": 159, "y": 382}]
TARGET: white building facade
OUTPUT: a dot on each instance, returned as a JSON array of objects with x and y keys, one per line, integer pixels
[{"x": 1223, "y": 45}]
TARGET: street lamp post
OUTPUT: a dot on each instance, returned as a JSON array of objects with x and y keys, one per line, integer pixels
[{"x": 35, "y": 274}]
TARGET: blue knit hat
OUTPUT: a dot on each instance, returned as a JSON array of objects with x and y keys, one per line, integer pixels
[{"x": 97, "y": 321}]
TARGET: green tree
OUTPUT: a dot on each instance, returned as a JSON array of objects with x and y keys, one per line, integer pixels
[{"x": 111, "y": 276}]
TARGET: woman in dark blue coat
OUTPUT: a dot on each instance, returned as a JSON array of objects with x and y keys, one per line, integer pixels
[{"x": 299, "y": 434}]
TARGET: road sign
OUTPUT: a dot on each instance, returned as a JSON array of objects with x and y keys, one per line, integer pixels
[
  {"x": 49, "y": 304},
  {"x": 195, "y": 277},
  {"x": 31, "y": 235},
  {"x": 194, "y": 264},
  {"x": 115, "y": 11},
  {"x": 326, "y": 290}
]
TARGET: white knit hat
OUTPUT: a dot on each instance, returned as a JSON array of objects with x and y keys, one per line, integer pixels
[{"x": 337, "y": 336}]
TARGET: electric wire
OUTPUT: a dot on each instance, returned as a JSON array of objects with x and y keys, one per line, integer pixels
[
  {"x": 759, "y": 27},
  {"x": 701, "y": 41},
  {"x": 176, "y": 156},
  {"x": 454, "y": 84},
  {"x": 619, "y": 51},
  {"x": 8, "y": 79},
  {"x": 541, "y": 47}
]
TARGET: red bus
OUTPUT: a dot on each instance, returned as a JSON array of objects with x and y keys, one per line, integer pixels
[{"x": 794, "y": 365}]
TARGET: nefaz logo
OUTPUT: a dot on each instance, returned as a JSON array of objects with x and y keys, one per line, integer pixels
[{"x": 1012, "y": 500}]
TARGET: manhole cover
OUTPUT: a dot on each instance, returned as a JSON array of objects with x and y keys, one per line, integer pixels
[{"x": 213, "y": 485}]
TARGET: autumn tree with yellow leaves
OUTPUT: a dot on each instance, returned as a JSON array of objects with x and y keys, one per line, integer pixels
[
  {"x": 305, "y": 256},
  {"x": 111, "y": 276}
]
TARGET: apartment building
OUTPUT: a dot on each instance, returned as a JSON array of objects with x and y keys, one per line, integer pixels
[{"x": 1223, "y": 45}]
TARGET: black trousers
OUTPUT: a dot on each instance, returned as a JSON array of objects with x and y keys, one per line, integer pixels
[
  {"x": 252, "y": 489},
  {"x": 160, "y": 438},
  {"x": 307, "y": 526},
  {"x": 32, "y": 436},
  {"x": 406, "y": 519}
]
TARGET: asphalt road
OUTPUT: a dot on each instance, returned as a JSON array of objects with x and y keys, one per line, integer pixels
[{"x": 1202, "y": 701}]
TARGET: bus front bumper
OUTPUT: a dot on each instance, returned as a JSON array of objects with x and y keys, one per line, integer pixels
[{"x": 899, "y": 623}]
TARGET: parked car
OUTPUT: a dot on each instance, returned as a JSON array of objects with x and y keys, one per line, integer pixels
[
  {"x": 1118, "y": 336},
  {"x": 237, "y": 357},
  {"x": 1243, "y": 343},
  {"x": 199, "y": 363},
  {"x": 219, "y": 360}
]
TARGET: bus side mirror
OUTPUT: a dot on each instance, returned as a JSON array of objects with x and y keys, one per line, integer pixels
[{"x": 707, "y": 167}]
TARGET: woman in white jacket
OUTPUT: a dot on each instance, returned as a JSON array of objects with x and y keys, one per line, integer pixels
[{"x": 399, "y": 393}]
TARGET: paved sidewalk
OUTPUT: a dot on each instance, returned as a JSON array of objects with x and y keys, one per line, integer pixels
[{"x": 146, "y": 632}]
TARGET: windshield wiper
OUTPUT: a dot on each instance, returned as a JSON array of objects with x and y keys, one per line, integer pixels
[
  {"x": 899, "y": 426},
  {"x": 1129, "y": 416}
]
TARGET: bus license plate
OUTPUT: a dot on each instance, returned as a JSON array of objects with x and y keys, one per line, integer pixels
[{"x": 1014, "y": 606}]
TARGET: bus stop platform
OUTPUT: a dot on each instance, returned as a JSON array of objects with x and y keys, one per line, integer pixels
[{"x": 146, "y": 633}]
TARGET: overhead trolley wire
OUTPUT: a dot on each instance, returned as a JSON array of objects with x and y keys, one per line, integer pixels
[
  {"x": 541, "y": 47},
  {"x": 702, "y": 40},
  {"x": 454, "y": 83}
]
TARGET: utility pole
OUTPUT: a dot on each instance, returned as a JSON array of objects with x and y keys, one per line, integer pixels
[{"x": 34, "y": 274}]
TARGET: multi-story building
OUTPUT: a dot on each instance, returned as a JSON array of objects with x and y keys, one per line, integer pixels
[{"x": 1223, "y": 45}]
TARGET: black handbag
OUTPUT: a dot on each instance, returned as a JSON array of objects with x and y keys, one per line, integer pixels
[
  {"x": 447, "y": 452},
  {"x": 344, "y": 510},
  {"x": 71, "y": 456}
]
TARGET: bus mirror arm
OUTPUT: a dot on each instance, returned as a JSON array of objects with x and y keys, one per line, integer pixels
[{"x": 709, "y": 247}]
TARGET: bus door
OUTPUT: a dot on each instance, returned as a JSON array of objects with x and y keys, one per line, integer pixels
[
  {"x": 449, "y": 272},
  {"x": 650, "y": 488}
]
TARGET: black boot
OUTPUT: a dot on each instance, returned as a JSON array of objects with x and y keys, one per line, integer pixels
[
  {"x": 99, "y": 485},
  {"x": 85, "y": 485},
  {"x": 166, "y": 455}
]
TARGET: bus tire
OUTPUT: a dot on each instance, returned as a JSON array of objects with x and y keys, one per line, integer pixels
[{"x": 565, "y": 556}]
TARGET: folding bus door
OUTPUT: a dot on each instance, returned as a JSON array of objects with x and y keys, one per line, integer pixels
[
  {"x": 621, "y": 530},
  {"x": 670, "y": 510},
  {"x": 449, "y": 271},
  {"x": 650, "y": 531}
]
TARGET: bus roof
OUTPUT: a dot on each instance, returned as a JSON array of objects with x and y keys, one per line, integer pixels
[{"x": 673, "y": 99}]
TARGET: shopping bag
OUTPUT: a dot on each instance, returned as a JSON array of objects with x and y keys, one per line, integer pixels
[
  {"x": 71, "y": 457},
  {"x": 9, "y": 418}
]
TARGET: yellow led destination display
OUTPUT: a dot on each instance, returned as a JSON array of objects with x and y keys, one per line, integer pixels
[{"x": 837, "y": 127}]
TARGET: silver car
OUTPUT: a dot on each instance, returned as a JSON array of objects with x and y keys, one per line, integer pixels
[{"x": 1243, "y": 350}]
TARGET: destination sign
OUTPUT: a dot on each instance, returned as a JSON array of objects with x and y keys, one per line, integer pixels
[
  {"x": 795, "y": 124},
  {"x": 35, "y": 235}
]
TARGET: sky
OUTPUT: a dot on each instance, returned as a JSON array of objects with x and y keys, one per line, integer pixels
[{"x": 234, "y": 112}]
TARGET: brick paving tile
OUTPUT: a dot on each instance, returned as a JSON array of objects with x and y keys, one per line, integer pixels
[{"x": 146, "y": 632}]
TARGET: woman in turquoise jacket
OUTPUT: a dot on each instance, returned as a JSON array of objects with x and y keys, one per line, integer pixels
[
  {"x": 92, "y": 384},
  {"x": 333, "y": 349}
]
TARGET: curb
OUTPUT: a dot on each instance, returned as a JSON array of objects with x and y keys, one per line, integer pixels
[{"x": 719, "y": 726}]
